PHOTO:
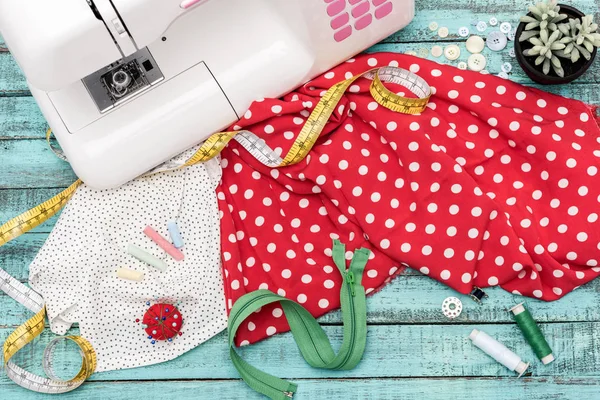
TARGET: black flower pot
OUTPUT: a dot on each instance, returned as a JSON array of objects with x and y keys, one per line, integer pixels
[{"x": 572, "y": 70}]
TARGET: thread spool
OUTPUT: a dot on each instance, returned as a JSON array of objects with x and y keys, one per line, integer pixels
[
  {"x": 498, "y": 351},
  {"x": 532, "y": 333}
]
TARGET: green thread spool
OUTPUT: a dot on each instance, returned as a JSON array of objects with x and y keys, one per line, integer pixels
[{"x": 532, "y": 333}]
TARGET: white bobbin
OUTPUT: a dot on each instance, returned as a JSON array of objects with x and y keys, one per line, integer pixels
[{"x": 452, "y": 307}]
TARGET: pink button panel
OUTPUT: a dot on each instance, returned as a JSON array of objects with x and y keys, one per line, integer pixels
[{"x": 348, "y": 16}]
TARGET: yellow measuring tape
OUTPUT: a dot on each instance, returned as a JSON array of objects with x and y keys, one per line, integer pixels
[{"x": 306, "y": 139}]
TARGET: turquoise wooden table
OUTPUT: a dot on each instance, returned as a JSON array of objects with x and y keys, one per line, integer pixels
[{"x": 413, "y": 351}]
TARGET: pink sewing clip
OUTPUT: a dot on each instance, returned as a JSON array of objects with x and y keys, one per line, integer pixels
[{"x": 163, "y": 243}]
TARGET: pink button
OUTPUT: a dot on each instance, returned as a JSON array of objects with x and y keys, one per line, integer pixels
[
  {"x": 384, "y": 10},
  {"x": 336, "y": 7},
  {"x": 342, "y": 34},
  {"x": 363, "y": 22},
  {"x": 340, "y": 21},
  {"x": 360, "y": 9}
]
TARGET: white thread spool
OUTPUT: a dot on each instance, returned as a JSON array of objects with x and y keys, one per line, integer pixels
[{"x": 498, "y": 351}]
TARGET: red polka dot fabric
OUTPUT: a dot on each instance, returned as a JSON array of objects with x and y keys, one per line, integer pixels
[{"x": 492, "y": 185}]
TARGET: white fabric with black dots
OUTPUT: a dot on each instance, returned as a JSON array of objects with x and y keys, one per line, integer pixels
[{"x": 75, "y": 271}]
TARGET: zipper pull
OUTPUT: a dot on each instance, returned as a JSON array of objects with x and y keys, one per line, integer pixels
[
  {"x": 351, "y": 281},
  {"x": 289, "y": 394}
]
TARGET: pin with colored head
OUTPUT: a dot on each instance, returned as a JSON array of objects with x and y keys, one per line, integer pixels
[{"x": 162, "y": 322}]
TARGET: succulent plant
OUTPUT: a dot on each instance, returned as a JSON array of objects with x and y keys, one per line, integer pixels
[
  {"x": 545, "y": 48},
  {"x": 552, "y": 40},
  {"x": 546, "y": 15},
  {"x": 580, "y": 38}
]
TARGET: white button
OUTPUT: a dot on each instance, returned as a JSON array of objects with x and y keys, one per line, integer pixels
[
  {"x": 452, "y": 52},
  {"x": 443, "y": 32},
  {"x": 512, "y": 53},
  {"x": 503, "y": 75},
  {"x": 423, "y": 52},
  {"x": 484, "y": 72},
  {"x": 463, "y": 31},
  {"x": 475, "y": 44},
  {"x": 476, "y": 62},
  {"x": 511, "y": 35},
  {"x": 462, "y": 65},
  {"x": 481, "y": 26},
  {"x": 505, "y": 27},
  {"x": 493, "y": 21},
  {"x": 436, "y": 51},
  {"x": 496, "y": 41},
  {"x": 433, "y": 26},
  {"x": 506, "y": 67}
]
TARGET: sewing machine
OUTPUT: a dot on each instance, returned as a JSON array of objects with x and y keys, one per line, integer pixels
[{"x": 128, "y": 84}]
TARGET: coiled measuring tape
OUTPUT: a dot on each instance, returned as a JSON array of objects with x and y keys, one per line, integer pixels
[
  {"x": 256, "y": 146},
  {"x": 25, "y": 333}
]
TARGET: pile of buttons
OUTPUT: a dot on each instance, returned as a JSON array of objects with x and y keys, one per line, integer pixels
[{"x": 497, "y": 38}]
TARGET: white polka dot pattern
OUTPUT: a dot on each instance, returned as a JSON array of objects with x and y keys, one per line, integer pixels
[
  {"x": 471, "y": 192},
  {"x": 75, "y": 269}
]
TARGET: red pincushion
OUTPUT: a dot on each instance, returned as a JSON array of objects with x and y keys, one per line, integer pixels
[{"x": 164, "y": 321}]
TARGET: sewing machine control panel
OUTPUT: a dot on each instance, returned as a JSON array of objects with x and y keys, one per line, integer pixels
[{"x": 114, "y": 84}]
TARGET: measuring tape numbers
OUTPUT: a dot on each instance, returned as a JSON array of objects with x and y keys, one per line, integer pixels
[
  {"x": 31, "y": 329},
  {"x": 255, "y": 145}
]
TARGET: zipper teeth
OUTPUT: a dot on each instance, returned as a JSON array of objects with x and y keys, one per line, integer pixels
[
  {"x": 352, "y": 331},
  {"x": 254, "y": 377},
  {"x": 353, "y": 328},
  {"x": 312, "y": 341}
]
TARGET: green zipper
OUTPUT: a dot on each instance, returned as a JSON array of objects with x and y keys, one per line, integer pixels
[{"x": 308, "y": 334}]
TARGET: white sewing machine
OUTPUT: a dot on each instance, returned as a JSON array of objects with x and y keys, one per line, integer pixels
[{"x": 128, "y": 84}]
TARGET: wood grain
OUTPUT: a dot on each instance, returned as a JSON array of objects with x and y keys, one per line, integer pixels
[
  {"x": 347, "y": 389},
  {"x": 392, "y": 351},
  {"x": 412, "y": 299},
  {"x": 413, "y": 352}
]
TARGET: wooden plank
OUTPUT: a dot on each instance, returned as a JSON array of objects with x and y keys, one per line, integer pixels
[
  {"x": 15, "y": 202},
  {"x": 445, "y": 13},
  {"x": 12, "y": 81},
  {"x": 347, "y": 389},
  {"x": 494, "y": 59},
  {"x": 456, "y": 13},
  {"x": 414, "y": 300},
  {"x": 20, "y": 118},
  {"x": 30, "y": 163},
  {"x": 392, "y": 351}
]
